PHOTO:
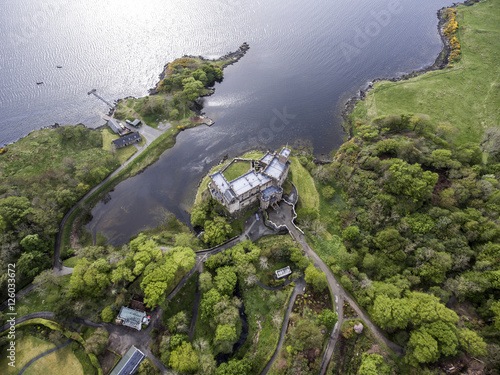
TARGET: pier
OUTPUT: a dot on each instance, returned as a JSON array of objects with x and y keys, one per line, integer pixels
[{"x": 93, "y": 91}]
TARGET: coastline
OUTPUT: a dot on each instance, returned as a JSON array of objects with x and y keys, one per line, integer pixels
[
  {"x": 439, "y": 63},
  {"x": 232, "y": 57}
]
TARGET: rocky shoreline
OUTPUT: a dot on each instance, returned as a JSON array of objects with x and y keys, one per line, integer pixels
[
  {"x": 233, "y": 57},
  {"x": 440, "y": 63}
]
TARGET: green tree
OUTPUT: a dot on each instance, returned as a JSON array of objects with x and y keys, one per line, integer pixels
[
  {"x": 409, "y": 180},
  {"x": 107, "y": 314},
  {"x": 225, "y": 280},
  {"x": 192, "y": 88},
  {"x": 306, "y": 335},
  {"x": 216, "y": 231},
  {"x": 184, "y": 359},
  {"x": 316, "y": 278},
  {"x": 328, "y": 318},
  {"x": 225, "y": 336},
  {"x": 234, "y": 367},
  {"x": 390, "y": 242},
  {"x": 207, "y": 304},
  {"x": 147, "y": 368},
  {"x": 178, "y": 323},
  {"x": 373, "y": 364},
  {"x": 15, "y": 209},
  {"x": 328, "y": 192},
  {"x": 471, "y": 342},
  {"x": 205, "y": 281},
  {"x": 422, "y": 348},
  {"x": 32, "y": 242},
  {"x": 351, "y": 233},
  {"x": 31, "y": 264}
]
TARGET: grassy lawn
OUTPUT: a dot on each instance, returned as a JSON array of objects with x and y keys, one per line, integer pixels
[
  {"x": 62, "y": 361},
  {"x": 70, "y": 262},
  {"x": 27, "y": 347},
  {"x": 262, "y": 334},
  {"x": 204, "y": 183},
  {"x": 183, "y": 301},
  {"x": 33, "y": 301},
  {"x": 236, "y": 169},
  {"x": 123, "y": 154},
  {"x": 304, "y": 183},
  {"x": 467, "y": 95}
]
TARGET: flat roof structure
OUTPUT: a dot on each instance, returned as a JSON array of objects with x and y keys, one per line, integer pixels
[
  {"x": 269, "y": 191},
  {"x": 129, "y": 363},
  {"x": 247, "y": 182},
  {"x": 275, "y": 169},
  {"x": 283, "y": 272},
  {"x": 267, "y": 158},
  {"x": 223, "y": 185},
  {"x": 285, "y": 152},
  {"x": 131, "y": 318}
]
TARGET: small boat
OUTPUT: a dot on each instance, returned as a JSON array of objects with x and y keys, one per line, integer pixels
[
  {"x": 39, "y": 83},
  {"x": 58, "y": 66}
]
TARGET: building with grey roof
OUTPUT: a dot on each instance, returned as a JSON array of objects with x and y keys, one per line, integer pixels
[
  {"x": 131, "y": 318},
  {"x": 262, "y": 183},
  {"x": 129, "y": 363},
  {"x": 127, "y": 140}
]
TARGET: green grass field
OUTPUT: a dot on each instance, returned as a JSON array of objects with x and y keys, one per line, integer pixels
[
  {"x": 27, "y": 347},
  {"x": 33, "y": 301},
  {"x": 62, "y": 361},
  {"x": 204, "y": 183},
  {"x": 303, "y": 181},
  {"x": 236, "y": 169},
  {"x": 467, "y": 95},
  {"x": 122, "y": 154}
]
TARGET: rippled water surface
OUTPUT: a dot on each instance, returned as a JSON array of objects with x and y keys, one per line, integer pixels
[{"x": 305, "y": 60}]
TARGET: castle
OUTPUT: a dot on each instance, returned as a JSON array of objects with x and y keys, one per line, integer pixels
[{"x": 263, "y": 183}]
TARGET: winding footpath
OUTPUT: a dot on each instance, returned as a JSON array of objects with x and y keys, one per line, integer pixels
[
  {"x": 44, "y": 354},
  {"x": 254, "y": 229},
  {"x": 300, "y": 285},
  {"x": 284, "y": 216}
]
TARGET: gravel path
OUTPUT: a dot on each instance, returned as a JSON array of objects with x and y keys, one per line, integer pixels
[
  {"x": 44, "y": 354},
  {"x": 284, "y": 216},
  {"x": 299, "y": 289}
]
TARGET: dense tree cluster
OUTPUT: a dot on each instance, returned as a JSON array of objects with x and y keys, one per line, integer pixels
[
  {"x": 186, "y": 79},
  {"x": 101, "y": 268},
  {"x": 43, "y": 176},
  {"x": 420, "y": 225},
  {"x": 209, "y": 214}
]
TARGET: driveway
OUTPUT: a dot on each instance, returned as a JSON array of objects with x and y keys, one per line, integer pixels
[{"x": 284, "y": 216}]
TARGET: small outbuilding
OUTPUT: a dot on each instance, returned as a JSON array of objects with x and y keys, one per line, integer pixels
[
  {"x": 283, "y": 272},
  {"x": 136, "y": 123},
  {"x": 127, "y": 140},
  {"x": 131, "y": 318},
  {"x": 129, "y": 363}
]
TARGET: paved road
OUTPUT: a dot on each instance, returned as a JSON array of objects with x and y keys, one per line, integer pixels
[
  {"x": 40, "y": 314},
  {"x": 44, "y": 354},
  {"x": 299, "y": 289},
  {"x": 284, "y": 216},
  {"x": 150, "y": 134}
]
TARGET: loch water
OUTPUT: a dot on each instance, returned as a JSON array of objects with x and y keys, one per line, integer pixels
[{"x": 305, "y": 60}]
